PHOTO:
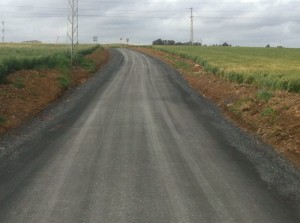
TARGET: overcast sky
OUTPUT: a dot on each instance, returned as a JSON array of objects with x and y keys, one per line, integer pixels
[{"x": 238, "y": 22}]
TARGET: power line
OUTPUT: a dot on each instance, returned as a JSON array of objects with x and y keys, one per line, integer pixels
[
  {"x": 139, "y": 10},
  {"x": 290, "y": 3},
  {"x": 147, "y": 11},
  {"x": 145, "y": 15},
  {"x": 43, "y": 15}
]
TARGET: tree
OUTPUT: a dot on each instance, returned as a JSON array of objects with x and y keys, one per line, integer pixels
[
  {"x": 172, "y": 42},
  {"x": 163, "y": 42},
  {"x": 268, "y": 46},
  {"x": 157, "y": 42}
]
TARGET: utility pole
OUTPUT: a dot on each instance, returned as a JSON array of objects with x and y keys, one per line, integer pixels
[
  {"x": 73, "y": 28},
  {"x": 192, "y": 28},
  {"x": 3, "y": 31}
]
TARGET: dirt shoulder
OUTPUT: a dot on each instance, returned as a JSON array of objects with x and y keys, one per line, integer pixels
[
  {"x": 29, "y": 91},
  {"x": 273, "y": 115}
]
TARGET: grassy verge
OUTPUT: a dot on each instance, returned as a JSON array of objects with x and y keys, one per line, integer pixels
[
  {"x": 2, "y": 120},
  {"x": 37, "y": 57},
  {"x": 28, "y": 91},
  {"x": 264, "y": 67}
]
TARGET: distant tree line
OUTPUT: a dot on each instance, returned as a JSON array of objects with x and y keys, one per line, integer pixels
[
  {"x": 223, "y": 44},
  {"x": 172, "y": 42}
]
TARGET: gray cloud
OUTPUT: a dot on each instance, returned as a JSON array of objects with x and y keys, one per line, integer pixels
[{"x": 239, "y": 22}]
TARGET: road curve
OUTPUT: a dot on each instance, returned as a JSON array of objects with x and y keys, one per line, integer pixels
[{"x": 140, "y": 149}]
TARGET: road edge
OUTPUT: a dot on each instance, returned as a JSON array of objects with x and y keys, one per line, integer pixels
[{"x": 275, "y": 170}]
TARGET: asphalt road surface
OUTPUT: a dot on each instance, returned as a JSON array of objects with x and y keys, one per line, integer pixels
[{"x": 140, "y": 149}]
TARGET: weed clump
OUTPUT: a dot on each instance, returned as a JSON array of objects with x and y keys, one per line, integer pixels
[
  {"x": 19, "y": 83},
  {"x": 264, "y": 95},
  {"x": 64, "y": 80},
  {"x": 2, "y": 120},
  {"x": 268, "y": 111}
]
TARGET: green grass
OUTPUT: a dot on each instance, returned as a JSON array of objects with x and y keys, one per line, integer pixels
[
  {"x": 268, "y": 112},
  {"x": 28, "y": 51},
  {"x": 19, "y": 83},
  {"x": 270, "y": 68},
  {"x": 87, "y": 64},
  {"x": 64, "y": 79},
  {"x": 2, "y": 120},
  {"x": 264, "y": 95},
  {"x": 14, "y": 57}
]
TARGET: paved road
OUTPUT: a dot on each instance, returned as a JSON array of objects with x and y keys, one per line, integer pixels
[{"x": 141, "y": 150}]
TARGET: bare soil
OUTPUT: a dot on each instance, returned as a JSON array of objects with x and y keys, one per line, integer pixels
[
  {"x": 274, "y": 116},
  {"x": 30, "y": 91}
]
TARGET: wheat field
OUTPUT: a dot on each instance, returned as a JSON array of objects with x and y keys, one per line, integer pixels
[{"x": 275, "y": 68}]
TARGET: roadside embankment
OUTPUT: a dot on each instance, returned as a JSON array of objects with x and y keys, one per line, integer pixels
[{"x": 26, "y": 92}]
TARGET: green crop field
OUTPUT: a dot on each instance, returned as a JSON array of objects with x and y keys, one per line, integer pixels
[
  {"x": 273, "y": 68},
  {"x": 14, "y": 57},
  {"x": 28, "y": 50},
  {"x": 18, "y": 51}
]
